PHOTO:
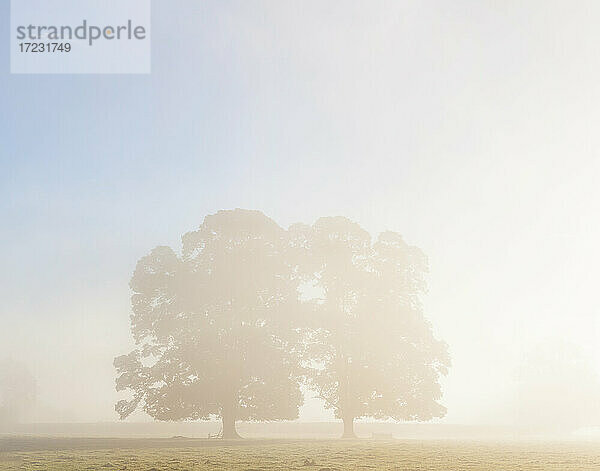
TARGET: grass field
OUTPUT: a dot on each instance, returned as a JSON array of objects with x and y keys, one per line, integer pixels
[{"x": 63, "y": 454}]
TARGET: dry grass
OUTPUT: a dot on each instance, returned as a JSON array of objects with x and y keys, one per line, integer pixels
[{"x": 306, "y": 455}]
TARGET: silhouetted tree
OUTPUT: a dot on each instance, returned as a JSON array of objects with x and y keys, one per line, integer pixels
[
  {"x": 213, "y": 326},
  {"x": 371, "y": 349},
  {"x": 17, "y": 392}
]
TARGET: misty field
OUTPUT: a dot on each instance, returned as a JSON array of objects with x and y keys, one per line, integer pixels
[{"x": 254, "y": 455}]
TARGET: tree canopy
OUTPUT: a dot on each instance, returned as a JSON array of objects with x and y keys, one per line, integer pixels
[
  {"x": 372, "y": 351},
  {"x": 212, "y": 326},
  {"x": 229, "y": 326}
]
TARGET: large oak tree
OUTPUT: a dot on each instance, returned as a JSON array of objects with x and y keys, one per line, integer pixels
[
  {"x": 213, "y": 326},
  {"x": 372, "y": 352}
]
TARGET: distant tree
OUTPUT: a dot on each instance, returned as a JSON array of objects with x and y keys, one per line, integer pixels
[
  {"x": 213, "y": 326},
  {"x": 371, "y": 351},
  {"x": 558, "y": 389},
  {"x": 17, "y": 392}
]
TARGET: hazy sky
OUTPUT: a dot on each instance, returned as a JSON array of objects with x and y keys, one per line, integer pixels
[{"x": 469, "y": 127}]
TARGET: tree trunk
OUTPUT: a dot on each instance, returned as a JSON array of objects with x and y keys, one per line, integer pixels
[
  {"x": 229, "y": 430},
  {"x": 348, "y": 427}
]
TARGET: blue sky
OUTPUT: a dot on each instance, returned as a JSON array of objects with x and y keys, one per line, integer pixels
[{"x": 469, "y": 127}]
